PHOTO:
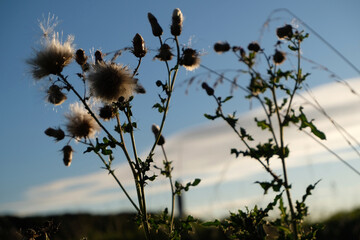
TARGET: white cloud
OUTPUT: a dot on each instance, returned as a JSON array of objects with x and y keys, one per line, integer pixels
[{"x": 204, "y": 152}]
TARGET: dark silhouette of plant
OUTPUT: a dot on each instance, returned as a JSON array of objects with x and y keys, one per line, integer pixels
[
  {"x": 265, "y": 88},
  {"x": 114, "y": 85}
]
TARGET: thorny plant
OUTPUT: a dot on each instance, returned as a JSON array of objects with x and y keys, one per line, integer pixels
[
  {"x": 113, "y": 85},
  {"x": 265, "y": 88}
]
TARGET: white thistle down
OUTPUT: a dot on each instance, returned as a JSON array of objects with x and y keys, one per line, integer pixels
[
  {"x": 80, "y": 123},
  {"x": 110, "y": 81},
  {"x": 52, "y": 57}
]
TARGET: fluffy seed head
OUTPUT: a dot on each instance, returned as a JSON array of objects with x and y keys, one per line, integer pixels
[
  {"x": 80, "y": 123},
  {"x": 165, "y": 53},
  {"x": 107, "y": 112},
  {"x": 52, "y": 57},
  {"x": 68, "y": 153},
  {"x": 110, "y": 81},
  {"x": 279, "y": 57},
  {"x": 139, "y": 49},
  {"x": 221, "y": 47},
  {"x": 190, "y": 59},
  {"x": 156, "y": 28},
  {"x": 155, "y": 129},
  {"x": 177, "y": 22},
  {"x": 284, "y": 32},
  {"x": 58, "y": 134},
  {"x": 55, "y": 95}
]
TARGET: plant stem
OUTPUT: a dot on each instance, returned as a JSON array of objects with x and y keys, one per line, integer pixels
[
  {"x": 140, "y": 172},
  {"x": 171, "y": 82},
  {"x": 86, "y": 106},
  {"x": 172, "y": 191},
  {"x": 137, "y": 177},
  {"x": 267, "y": 168},
  {"x": 282, "y": 157},
  {"x": 112, "y": 172}
]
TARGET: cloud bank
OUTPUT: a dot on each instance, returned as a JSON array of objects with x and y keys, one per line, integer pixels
[{"x": 227, "y": 182}]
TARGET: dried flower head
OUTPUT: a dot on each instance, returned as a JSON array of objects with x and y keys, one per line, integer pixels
[
  {"x": 284, "y": 32},
  {"x": 139, "y": 49},
  {"x": 110, "y": 81},
  {"x": 190, "y": 59},
  {"x": 177, "y": 22},
  {"x": 221, "y": 47},
  {"x": 80, "y": 123},
  {"x": 209, "y": 90},
  {"x": 58, "y": 134},
  {"x": 156, "y": 130},
  {"x": 279, "y": 57},
  {"x": 55, "y": 95},
  {"x": 68, "y": 153},
  {"x": 254, "y": 46},
  {"x": 156, "y": 28},
  {"x": 52, "y": 57},
  {"x": 107, "y": 112},
  {"x": 165, "y": 53}
]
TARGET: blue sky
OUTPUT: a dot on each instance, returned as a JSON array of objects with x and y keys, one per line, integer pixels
[{"x": 30, "y": 159}]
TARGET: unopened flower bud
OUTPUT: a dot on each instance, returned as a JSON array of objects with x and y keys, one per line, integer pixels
[
  {"x": 242, "y": 52},
  {"x": 209, "y": 90},
  {"x": 190, "y": 59},
  {"x": 55, "y": 95},
  {"x": 80, "y": 57},
  {"x": 254, "y": 46},
  {"x": 279, "y": 57},
  {"x": 58, "y": 134},
  {"x": 177, "y": 22},
  {"x": 165, "y": 53},
  {"x": 98, "y": 56},
  {"x": 156, "y": 130},
  {"x": 139, "y": 49},
  {"x": 107, "y": 112},
  {"x": 284, "y": 32},
  {"x": 159, "y": 83},
  {"x": 221, "y": 47},
  {"x": 156, "y": 29},
  {"x": 67, "y": 152}
]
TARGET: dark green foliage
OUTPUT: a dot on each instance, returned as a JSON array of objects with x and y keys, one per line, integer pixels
[
  {"x": 247, "y": 225},
  {"x": 179, "y": 187}
]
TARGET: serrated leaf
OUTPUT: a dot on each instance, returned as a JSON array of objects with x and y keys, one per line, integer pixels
[
  {"x": 305, "y": 123},
  {"x": 227, "y": 99},
  {"x": 159, "y": 107},
  {"x": 211, "y": 117}
]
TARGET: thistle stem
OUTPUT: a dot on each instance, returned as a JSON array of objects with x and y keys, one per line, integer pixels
[
  {"x": 172, "y": 191},
  {"x": 282, "y": 157},
  {"x": 112, "y": 172}
]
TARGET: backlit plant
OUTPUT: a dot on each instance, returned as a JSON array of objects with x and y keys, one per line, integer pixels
[
  {"x": 265, "y": 87},
  {"x": 114, "y": 85}
]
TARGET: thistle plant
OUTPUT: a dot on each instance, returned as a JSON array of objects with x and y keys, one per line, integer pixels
[
  {"x": 113, "y": 86},
  {"x": 265, "y": 87}
]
